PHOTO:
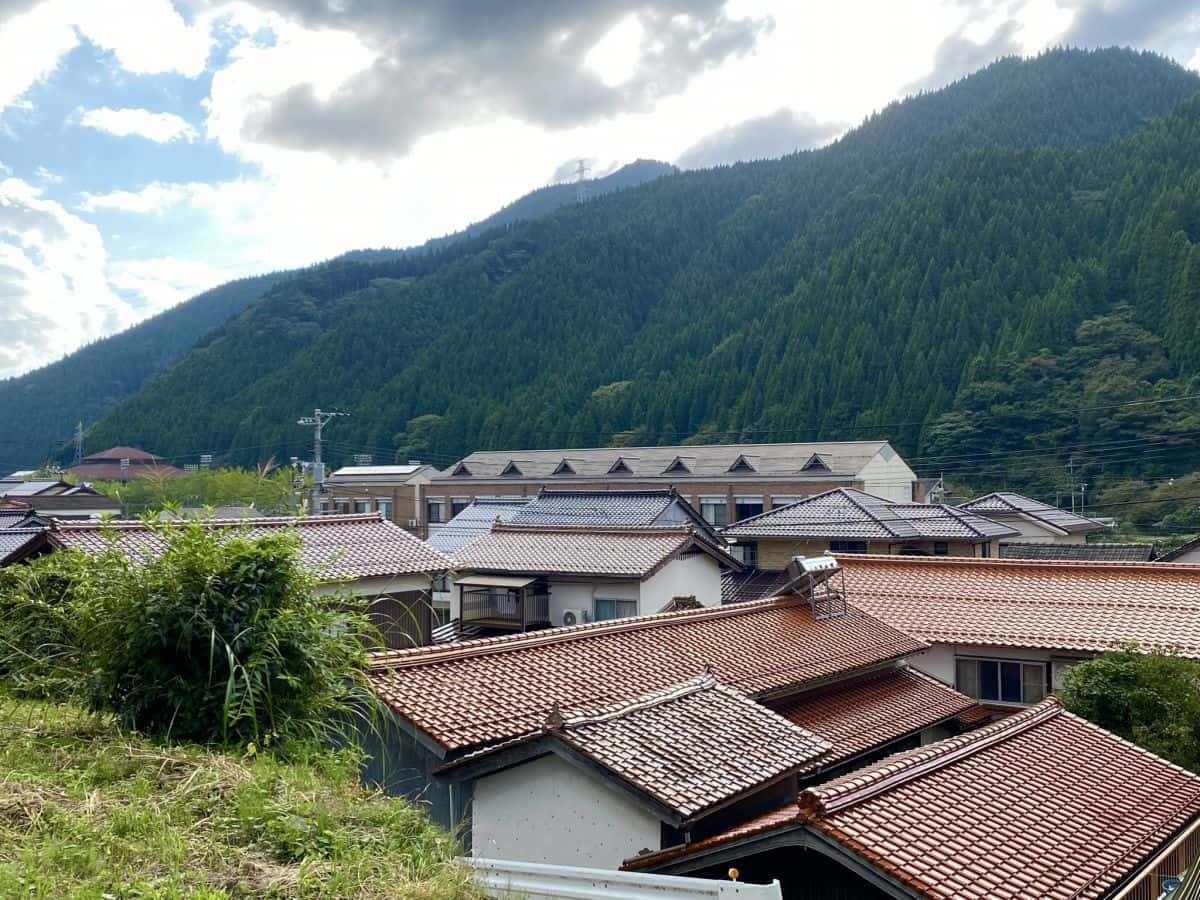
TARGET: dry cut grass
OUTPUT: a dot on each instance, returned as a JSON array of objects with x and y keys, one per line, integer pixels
[{"x": 87, "y": 811}]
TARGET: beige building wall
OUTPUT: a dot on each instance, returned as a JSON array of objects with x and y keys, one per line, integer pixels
[{"x": 776, "y": 554}]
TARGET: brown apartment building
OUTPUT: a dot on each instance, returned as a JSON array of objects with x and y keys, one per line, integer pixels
[
  {"x": 725, "y": 482},
  {"x": 397, "y": 492}
]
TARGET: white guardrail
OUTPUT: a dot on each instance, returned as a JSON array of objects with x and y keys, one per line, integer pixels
[{"x": 503, "y": 878}]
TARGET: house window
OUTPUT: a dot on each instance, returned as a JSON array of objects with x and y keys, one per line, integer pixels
[
  {"x": 323, "y": 506},
  {"x": 715, "y": 511},
  {"x": 745, "y": 507},
  {"x": 435, "y": 510},
  {"x": 985, "y": 549},
  {"x": 847, "y": 546},
  {"x": 385, "y": 507},
  {"x": 777, "y": 502},
  {"x": 458, "y": 504},
  {"x": 606, "y": 608},
  {"x": 362, "y": 506},
  {"x": 441, "y": 615},
  {"x": 1001, "y": 680},
  {"x": 441, "y": 583},
  {"x": 745, "y": 553},
  {"x": 941, "y": 548},
  {"x": 341, "y": 506}
]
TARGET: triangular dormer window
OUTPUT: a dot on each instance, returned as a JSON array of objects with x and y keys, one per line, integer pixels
[
  {"x": 677, "y": 466},
  {"x": 741, "y": 464},
  {"x": 563, "y": 468},
  {"x": 510, "y": 469},
  {"x": 461, "y": 469},
  {"x": 815, "y": 464},
  {"x": 619, "y": 468}
]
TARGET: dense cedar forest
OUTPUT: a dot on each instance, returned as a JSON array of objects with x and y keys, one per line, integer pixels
[
  {"x": 83, "y": 386},
  {"x": 986, "y": 275}
]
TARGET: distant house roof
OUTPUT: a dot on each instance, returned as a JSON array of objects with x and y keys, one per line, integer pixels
[
  {"x": 674, "y": 463},
  {"x": 476, "y": 693},
  {"x": 1040, "y": 804},
  {"x": 873, "y": 710},
  {"x": 1089, "y": 607},
  {"x": 333, "y": 548},
  {"x": 18, "y": 543},
  {"x": 689, "y": 747},
  {"x": 376, "y": 473},
  {"x": 1009, "y": 503},
  {"x": 605, "y": 508},
  {"x": 1080, "y": 552},
  {"x": 14, "y": 517},
  {"x": 854, "y": 514},
  {"x": 623, "y": 552},
  {"x": 475, "y": 520},
  {"x": 34, "y": 487},
  {"x": 106, "y": 465},
  {"x": 1180, "y": 551}
]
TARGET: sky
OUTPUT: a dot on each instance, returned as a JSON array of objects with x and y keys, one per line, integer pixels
[{"x": 152, "y": 149}]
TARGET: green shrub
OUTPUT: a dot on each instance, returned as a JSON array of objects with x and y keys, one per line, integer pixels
[
  {"x": 218, "y": 639},
  {"x": 1152, "y": 699}
]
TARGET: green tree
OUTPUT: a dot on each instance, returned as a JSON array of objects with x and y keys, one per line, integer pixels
[{"x": 1152, "y": 699}]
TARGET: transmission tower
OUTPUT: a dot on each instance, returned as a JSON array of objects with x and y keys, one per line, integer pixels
[
  {"x": 78, "y": 444},
  {"x": 581, "y": 173},
  {"x": 317, "y": 421}
]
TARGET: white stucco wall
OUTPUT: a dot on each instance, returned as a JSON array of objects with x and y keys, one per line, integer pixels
[
  {"x": 1032, "y": 532},
  {"x": 1188, "y": 556},
  {"x": 888, "y": 475},
  {"x": 548, "y": 811},
  {"x": 697, "y": 576},
  {"x": 373, "y": 587},
  {"x": 566, "y": 595}
]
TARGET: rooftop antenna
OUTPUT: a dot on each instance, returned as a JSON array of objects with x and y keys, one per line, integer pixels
[{"x": 581, "y": 173}]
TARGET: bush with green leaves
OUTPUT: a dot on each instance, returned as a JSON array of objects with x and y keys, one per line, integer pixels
[
  {"x": 1152, "y": 699},
  {"x": 219, "y": 639}
]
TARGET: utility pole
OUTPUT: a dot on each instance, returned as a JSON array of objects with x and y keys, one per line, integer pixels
[
  {"x": 317, "y": 422},
  {"x": 78, "y": 443},
  {"x": 1071, "y": 481},
  {"x": 1082, "y": 494}
]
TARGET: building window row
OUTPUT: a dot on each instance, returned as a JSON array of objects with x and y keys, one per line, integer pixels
[{"x": 1001, "y": 680}]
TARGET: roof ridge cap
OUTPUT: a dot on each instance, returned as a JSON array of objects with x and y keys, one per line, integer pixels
[
  {"x": 648, "y": 700},
  {"x": 397, "y": 659},
  {"x": 585, "y": 528},
  {"x": 885, "y": 777}
]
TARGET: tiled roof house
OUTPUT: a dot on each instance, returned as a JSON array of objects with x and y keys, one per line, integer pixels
[
  {"x": 362, "y": 554},
  {"x": 1040, "y": 804},
  {"x": 1006, "y": 630},
  {"x": 658, "y": 728},
  {"x": 1037, "y": 522}
]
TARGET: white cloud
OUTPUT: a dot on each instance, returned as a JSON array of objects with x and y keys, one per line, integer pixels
[
  {"x": 163, "y": 282},
  {"x": 155, "y": 197},
  {"x": 44, "y": 174},
  {"x": 160, "y": 127},
  {"x": 31, "y": 46},
  {"x": 54, "y": 291}
]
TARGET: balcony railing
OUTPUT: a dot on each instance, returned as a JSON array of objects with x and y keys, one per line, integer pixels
[{"x": 517, "y": 608}]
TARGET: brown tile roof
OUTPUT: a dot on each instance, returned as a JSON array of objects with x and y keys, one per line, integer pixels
[
  {"x": 855, "y": 514},
  {"x": 332, "y": 548},
  {"x": 480, "y": 692},
  {"x": 1080, "y": 552},
  {"x": 1030, "y": 603},
  {"x": 692, "y": 747},
  {"x": 626, "y": 551},
  {"x": 874, "y": 710},
  {"x": 1041, "y": 804},
  {"x": 1007, "y": 503}
]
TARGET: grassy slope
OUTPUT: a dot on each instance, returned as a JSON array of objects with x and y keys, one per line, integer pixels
[{"x": 87, "y": 811}]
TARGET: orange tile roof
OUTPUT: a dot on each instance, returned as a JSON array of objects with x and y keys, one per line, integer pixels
[
  {"x": 693, "y": 746},
  {"x": 1041, "y": 804},
  {"x": 622, "y": 551},
  {"x": 873, "y": 710},
  {"x": 1083, "y": 606},
  {"x": 475, "y": 693},
  {"x": 332, "y": 548}
]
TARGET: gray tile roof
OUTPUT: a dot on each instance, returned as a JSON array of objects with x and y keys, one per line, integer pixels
[
  {"x": 676, "y": 463},
  {"x": 605, "y": 508},
  {"x": 474, "y": 521},
  {"x": 15, "y": 541},
  {"x": 851, "y": 514},
  {"x": 12, "y": 518},
  {"x": 1009, "y": 503},
  {"x": 1084, "y": 552}
]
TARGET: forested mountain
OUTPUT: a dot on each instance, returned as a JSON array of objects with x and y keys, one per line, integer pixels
[
  {"x": 978, "y": 268},
  {"x": 47, "y": 402}
]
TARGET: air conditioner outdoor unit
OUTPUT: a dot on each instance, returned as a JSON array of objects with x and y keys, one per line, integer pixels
[{"x": 576, "y": 616}]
